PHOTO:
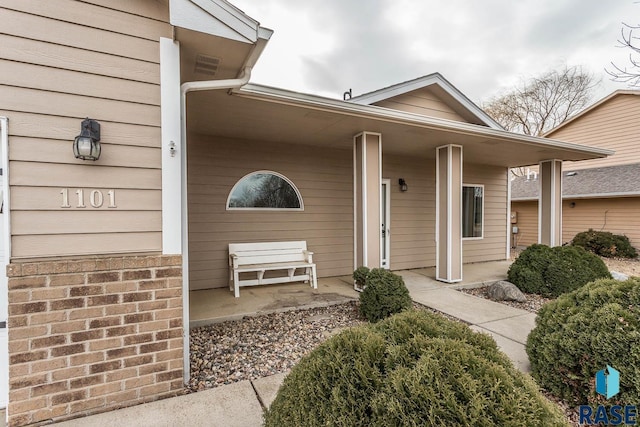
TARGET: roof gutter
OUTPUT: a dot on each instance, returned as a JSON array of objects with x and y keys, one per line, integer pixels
[{"x": 197, "y": 86}]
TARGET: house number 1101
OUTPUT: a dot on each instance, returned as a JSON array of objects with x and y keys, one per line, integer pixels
[{"x": 96, "y": 198}]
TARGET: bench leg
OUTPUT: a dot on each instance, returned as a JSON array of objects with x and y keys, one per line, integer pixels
[
  {"x": 236, "y": 286},
  {"x": 315, "y": 277}
]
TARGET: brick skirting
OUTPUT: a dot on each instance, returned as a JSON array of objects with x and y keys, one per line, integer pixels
[{"x": 87, "y": 336}]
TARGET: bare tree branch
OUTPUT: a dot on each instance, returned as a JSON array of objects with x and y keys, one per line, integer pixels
[
  {"x": 542, "y": 103},
  {"x": 629, "y": 74}
]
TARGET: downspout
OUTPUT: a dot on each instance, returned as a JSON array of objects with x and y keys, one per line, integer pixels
[{"x": 185, "y": 88}]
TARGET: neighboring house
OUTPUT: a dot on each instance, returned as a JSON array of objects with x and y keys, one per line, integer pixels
[
  {"x": 101, "y": 255},
  {"x": 602, "y": 194}
]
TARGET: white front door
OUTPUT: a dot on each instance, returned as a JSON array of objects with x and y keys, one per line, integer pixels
[{"x": 385, "y": 215}]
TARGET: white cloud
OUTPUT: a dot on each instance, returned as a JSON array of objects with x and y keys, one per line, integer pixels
[{"x": 482, "y": 47}]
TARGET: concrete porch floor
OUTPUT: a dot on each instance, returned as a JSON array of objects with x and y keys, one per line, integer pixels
[{"x": 219, "y": 305}]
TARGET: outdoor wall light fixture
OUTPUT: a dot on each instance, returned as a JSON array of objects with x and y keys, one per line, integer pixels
[
  {"x": 403, "y": 184},
  {"x": 86, "y": 146}
]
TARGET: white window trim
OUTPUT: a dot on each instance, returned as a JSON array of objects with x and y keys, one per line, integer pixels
[
  {"x": 295, "y": 188},
  {"x": 483, "y": 212}
]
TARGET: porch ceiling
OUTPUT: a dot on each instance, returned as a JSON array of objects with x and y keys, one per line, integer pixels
[{"x": 280, "y": 116}]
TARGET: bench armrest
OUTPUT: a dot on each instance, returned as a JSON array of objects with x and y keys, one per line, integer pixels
[
  {"x": 233, "y": 260},
  {"x": 308, "y": 255}
]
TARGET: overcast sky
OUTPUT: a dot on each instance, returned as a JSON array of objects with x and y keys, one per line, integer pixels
[{"x": 483, "y": 47}]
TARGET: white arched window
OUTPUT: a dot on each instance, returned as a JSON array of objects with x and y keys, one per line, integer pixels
[{"x": 265, "y": 190}]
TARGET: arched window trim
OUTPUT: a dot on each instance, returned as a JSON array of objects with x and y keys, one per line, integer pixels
[{"x": 295, "y": 188}]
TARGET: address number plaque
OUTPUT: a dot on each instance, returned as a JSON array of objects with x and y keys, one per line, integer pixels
[{"x": 95, "y": 198}]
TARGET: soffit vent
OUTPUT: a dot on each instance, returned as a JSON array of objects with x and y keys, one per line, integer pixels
[{"x": 206, "y": 65}]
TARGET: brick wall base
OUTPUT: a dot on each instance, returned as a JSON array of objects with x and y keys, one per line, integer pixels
[{"x": 87, "y": 336}]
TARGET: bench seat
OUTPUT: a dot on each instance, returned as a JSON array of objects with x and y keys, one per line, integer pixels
[{"x": 270, "y": 256}]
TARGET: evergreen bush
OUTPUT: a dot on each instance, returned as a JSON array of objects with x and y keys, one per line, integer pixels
[
  {"x": 385, "y": 294},
  {"x": 551, "y": 272},
  {"x": 411, "y": 369},
  {"x": 360, "y": 277},
  {"x": 605, "y": 244},
  {"x": 582, "y": 332}
]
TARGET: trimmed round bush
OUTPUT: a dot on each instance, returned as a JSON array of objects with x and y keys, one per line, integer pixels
[
  {"x": 582, "y": 332},
  {"x": 360, "y": 276},
  {"x": 411, "y": 369},
  {"x": 605, "y": 244},
  {"x": 551, "y": 272},
  {"x": 385, "y": 294}
]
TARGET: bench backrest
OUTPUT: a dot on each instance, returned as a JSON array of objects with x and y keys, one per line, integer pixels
[{"x": 268, "y": 252}]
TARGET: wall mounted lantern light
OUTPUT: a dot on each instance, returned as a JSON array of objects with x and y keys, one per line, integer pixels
[
  {"x": 86, "y": 146},
  {"x": 403, "y": 184}
]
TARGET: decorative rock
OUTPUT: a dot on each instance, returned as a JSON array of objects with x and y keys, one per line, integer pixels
[
  {"x": 263, "y": 345},
  {"x": 505, "y": 291},
  {"x": 619, "y": 276}
]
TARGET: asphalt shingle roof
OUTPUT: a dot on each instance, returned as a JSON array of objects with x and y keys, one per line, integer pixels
[{"x": 596, "y": 182}]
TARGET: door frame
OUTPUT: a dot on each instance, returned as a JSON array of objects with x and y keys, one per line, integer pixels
[{"x": 385, "y": 209}]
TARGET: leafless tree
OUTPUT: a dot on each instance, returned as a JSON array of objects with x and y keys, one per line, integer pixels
[
  {"x": 542, "y": 103},
  {"x": 538, "y": 105},
  {"x": 629, "y": 74}
]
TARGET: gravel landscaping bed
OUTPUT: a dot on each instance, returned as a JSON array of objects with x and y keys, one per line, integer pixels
[{"x": 264, "y": 345}]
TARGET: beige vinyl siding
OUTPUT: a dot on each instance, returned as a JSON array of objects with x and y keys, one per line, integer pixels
[
  {"x": 527, "y": 223},
  {"x": 493, "y": 244},
  {"x": 616, "y": 215},
  {"x": 413, "y": 213},
  {"x": 613, "y": 125},
  {"x": 324, "y": 178},
  {"x": 55, "y": 70},
  {"x": 422, "y": 101}
]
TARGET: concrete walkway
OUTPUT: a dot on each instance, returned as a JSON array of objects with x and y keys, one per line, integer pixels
[
  {"x": 239, "y": 404},
  {"x": 508, "y": 326},
  {"x": 242, "y": 404}
]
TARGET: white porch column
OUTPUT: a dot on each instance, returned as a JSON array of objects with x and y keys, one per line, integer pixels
[
  {"x": 171, "y": 148},
  {"x": 449, "y": 213},
  {"x": 550, "y": 203},
  {"x": 367, "y": 178}
]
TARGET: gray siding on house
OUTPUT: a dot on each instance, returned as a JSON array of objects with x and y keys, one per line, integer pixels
[
  {"x": 55, "y": 70},
  {"x": 324, "y": 178},
  {"x": 413, "y": 213}
]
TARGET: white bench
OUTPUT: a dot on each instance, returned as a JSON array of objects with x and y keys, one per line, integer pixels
[{"x": 270, "y": 256}]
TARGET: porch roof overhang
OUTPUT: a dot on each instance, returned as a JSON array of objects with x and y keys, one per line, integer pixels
[{"x": 268, "y": 114}]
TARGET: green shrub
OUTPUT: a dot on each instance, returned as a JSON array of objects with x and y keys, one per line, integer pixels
[
  {"x": 385, "y": 294},
  {"x": 360, "y": 277},
  {"x": 551, "y": 272},
  {"x": 411, "y": 369},
  {"x": 605, "y": 244},
  {"x": 581, "y": 333}
]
